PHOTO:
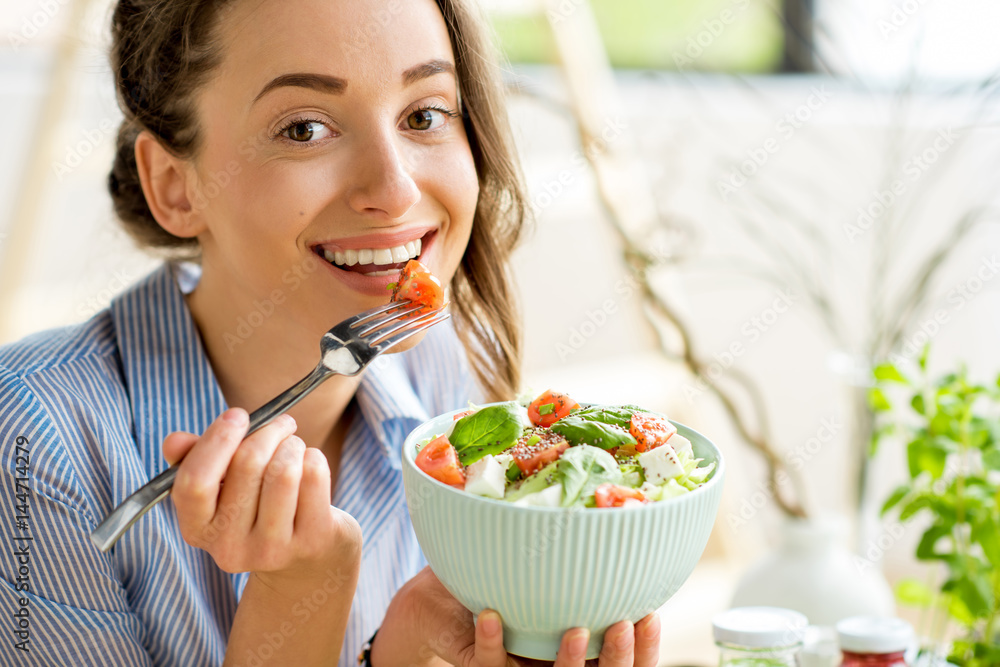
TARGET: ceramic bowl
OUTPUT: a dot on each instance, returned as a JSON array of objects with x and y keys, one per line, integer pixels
[{"x": 546, "y": 570}]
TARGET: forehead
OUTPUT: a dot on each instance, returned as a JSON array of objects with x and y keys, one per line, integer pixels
[{"x": 366, "y": 42}]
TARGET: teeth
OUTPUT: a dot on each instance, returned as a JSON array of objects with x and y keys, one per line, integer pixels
[
  {"x": 400, "y": 254},
  {"x": 377, "y": 256}
]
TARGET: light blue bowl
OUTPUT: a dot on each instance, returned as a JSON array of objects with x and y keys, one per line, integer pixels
[{"x": 546, "y": 570}]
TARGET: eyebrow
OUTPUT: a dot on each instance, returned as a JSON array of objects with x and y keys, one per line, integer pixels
[
  {"x": 333, "y": 85},
  {"x": 427, "y": 69},
  {"x": 324, "y": 83}
]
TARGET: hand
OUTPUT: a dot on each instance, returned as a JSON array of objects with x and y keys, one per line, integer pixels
[
  {"x": 261, "y": 504},
  {"x": 425, "y": 622}
]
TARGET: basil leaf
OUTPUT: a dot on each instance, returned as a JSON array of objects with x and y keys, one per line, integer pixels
[
  {"x": 582, "y": 469},
  {"x": 488, "y": 431},
  {"x": 616, "y": 415},
  {"x": 580, "y": 431}
]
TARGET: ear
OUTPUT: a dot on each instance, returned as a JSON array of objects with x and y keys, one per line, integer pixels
[{"x": 166, "y": 182}]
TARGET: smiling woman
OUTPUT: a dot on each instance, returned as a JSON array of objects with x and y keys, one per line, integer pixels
[{"x": 300, "y": 152}]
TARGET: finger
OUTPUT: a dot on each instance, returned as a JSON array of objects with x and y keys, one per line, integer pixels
[
  {"x": 647, "y": 641},
  {"x": 573, "y": 648},
  {"x": 240, "y": 495},
  {"x": 177, "y": 444},
  {"x": 279, "y": 493},
  {"x": 619, "y": 641},
  {"x": 196, "y": 487},
  {"x": 313, "y": 514},
  {"x": 489, "y": 640}
]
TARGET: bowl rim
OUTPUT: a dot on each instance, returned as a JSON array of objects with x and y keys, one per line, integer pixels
[{"x": 408, "y": 457}]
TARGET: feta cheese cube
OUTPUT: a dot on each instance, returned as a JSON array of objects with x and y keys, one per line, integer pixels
[
  {"x": 486, "y": 477},
  {"x": 660, "y": 464},
  {"x": 548, "y": 497},
  {"x": 681, "y": 445}
]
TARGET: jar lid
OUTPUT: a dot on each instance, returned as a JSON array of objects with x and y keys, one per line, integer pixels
[
  {"x": 759, "y": 627},
  {"x": 873, "y": 634}
]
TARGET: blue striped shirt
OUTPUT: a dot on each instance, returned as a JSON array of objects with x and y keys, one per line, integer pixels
[{"x": 83, "y": 412}]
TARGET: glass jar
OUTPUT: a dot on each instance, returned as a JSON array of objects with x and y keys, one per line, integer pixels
[
  {"x": 759, "y": 637},
  {"x": 871, "y": 641}
]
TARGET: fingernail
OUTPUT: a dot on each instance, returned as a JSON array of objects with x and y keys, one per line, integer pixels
[
  {"x": 652, "y": 629},
  {"x": 623, "y": 639},
  {"x": 490, "y": 620},
  {"x": 578, "y": 644},
  {"x": 235, "y": 416}
]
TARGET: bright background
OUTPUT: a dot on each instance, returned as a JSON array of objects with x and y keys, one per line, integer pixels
[{"x": 689, "y": 129}]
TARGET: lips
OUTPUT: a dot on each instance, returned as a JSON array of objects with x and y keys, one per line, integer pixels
[{"x": 369, "y": 264}]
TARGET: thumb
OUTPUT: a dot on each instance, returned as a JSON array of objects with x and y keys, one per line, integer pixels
[{"x": 177, "y": 444}]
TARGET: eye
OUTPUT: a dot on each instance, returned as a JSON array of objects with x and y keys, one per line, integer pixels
[
  {"x": 429, "y": 118},
  {"x": 304, "y": 131}
]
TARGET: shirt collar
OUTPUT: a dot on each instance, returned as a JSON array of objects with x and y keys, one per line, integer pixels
[{"x": 172, "y": 386}]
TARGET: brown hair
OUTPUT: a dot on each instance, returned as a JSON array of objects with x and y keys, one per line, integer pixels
[{"x": 163, "y": 50}]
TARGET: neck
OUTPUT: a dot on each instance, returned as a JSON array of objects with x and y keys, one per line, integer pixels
[{"x": 252, "y": 369}]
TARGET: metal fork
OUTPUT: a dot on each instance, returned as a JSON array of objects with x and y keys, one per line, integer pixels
[{"x": 346, "y": 349}]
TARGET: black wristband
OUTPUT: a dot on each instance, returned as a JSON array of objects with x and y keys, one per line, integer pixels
[{"x": 365, "y": 657}]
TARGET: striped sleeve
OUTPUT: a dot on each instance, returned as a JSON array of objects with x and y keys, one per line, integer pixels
[{"x": 60, "y": 597}]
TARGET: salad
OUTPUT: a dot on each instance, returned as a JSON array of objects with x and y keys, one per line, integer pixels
[{"x": 553, "y": 452}]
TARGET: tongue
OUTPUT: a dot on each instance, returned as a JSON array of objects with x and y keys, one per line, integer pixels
[{"x": 374, "y": 268}]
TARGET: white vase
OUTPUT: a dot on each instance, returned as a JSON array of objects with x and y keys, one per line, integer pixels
[{"x": 813, "y": 572}]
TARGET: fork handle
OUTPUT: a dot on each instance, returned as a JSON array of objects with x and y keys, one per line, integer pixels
[{"x": 115, "y": 524}]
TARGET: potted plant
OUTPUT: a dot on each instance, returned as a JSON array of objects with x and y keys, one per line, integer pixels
[{"x": 951, "y": 427}]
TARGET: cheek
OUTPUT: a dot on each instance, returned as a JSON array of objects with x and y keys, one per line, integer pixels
[{"x": 457, "y": 184}]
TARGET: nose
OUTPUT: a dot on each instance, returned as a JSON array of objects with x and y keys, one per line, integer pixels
[{"x": 382, "y": 183}]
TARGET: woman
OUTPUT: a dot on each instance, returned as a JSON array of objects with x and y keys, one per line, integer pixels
[{"x": 300, "y": 151}]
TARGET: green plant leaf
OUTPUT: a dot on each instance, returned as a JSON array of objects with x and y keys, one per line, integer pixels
[
  {"x": 986, "y": 533},
  {"x": 888, "y": 373},
  {"x": 991, "y": 458},
  {"x": 929, "y": 540},
  {"x": 926, "y": 455},
  {"x": 914, "y": 506},
  {"x": 924, "y": 353},
  {"x": 878, "y": 401},
  {"x": 898, "y": 494},
  {"x": 917, "y": 403},
  {"x": 913, "y": 593}
]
